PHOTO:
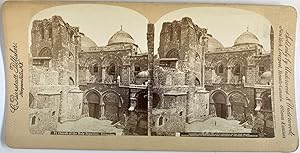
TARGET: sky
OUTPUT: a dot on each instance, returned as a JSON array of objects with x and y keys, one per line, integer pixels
[{"x": 100, "y": 22}]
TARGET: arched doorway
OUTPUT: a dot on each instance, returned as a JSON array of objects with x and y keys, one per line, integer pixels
[
  {"x": 142, "y": 101},
  {"x": 266, "y": 100},
  {"x": 239, "y": 103},
  {"x": 219, "y": 99},
  {"x": 93, "y": 99},
  {"x": 141, "y": 109},
  {"x": 112, "y": 102},
  {"x": 31, "y": 99}
]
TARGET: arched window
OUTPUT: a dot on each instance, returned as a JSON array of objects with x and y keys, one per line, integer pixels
[
  {"x": 237, "y": 69},
  {"x": 261, "y": 70},
  {"x": 95, "y": 68},
  {"x": 112, "y": 69},
  {"x": 33, "y": 120},
  {"x": 197, "y": 82},
  {"x": 53, "y": 113},
  {"x": 71, "y": 81},
  {"x": 221, "y": 69},
  {"x": 31, "y": 99},
  {"x": 173, "y": 54},
  {"x": 160, "y": 120}
]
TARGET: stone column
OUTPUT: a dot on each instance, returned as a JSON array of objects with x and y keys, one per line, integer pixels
[
  {"x": 85, "y": 108},
  {"x": 103, "y": 69},
  {"x": 229, "y": 113},
  {"x": 150, "y": 45},
  {"x": 213, "y": 75},
  {"x": 87, "y": 74},
  {"x": 212, "y": 108},
  {"x": 102, "y": 110},
  {"x": 229, "y": 74}
]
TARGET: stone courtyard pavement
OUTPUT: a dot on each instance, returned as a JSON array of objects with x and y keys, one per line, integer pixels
[
  {"x": 216, "y": 124},
  {"x": 89, "y": 124}
]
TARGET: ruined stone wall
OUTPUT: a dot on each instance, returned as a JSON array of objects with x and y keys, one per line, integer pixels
[
  {"x": 198, "y": 107},
  {"x": 177, "y": 36},
  {"x": 60, "y": 42},
  {"x": 44, "y": 115},
  {"x": 166, "y": 122}
]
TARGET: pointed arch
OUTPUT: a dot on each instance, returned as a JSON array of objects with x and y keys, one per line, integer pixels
[{"x": 173, "y": 53}]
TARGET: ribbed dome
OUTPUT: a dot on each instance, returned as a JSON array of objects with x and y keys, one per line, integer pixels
[
  {"x": 213, "y": 43},
  {"x": 86, "y": 42},
  {"x": 246, "y": 38},
  {"x": 121, "y": 37}
]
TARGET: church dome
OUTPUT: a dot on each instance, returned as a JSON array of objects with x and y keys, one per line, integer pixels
[
  {"x": 121, "y": 37},
  {"x": 267, "y": 75},
  {"x": 246, "y": 38},
  {"x": 143, "y": 74},
  {"x": 86, "y": 42},
  {"x": 213, "y": 43}
]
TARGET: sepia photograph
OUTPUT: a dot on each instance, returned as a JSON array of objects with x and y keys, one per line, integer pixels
[
  {"x": 150, "y": 76},
  {"x": 209, "y": 79},
  {"x": 213, "y": 74},
  {"x": 87, "y": 75}
]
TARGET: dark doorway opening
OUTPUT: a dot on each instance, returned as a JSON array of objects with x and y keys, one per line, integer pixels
[
  {"x": 93, "y": 103},
  {"x": 220, "y": 104}
]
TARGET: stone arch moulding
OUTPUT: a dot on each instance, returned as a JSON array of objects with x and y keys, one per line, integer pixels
[
  {"x": 213, "y": 109},
  {"x": 86, "y": 107},
  {"x": 237, "y": 59},
  {"x": 246, "y": 103},
  {"x": 216, "y": 91},
  {"x": 239, "y": 92},
  {"x": 91, "y": 60},
  {"x": 115, "y": 92},
  {"x": 92, "y": 90},
  {"x": 173, "y": 53},
  {"x": 109, "y": 108},
  {"x": 219, "y": 60},
  {"x": 111, "y": 59}
]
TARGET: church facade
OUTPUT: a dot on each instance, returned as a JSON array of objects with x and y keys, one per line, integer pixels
[{"x": 195, "y": 78}]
